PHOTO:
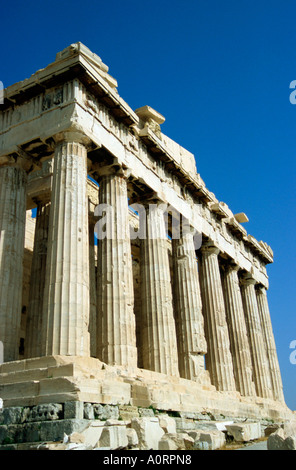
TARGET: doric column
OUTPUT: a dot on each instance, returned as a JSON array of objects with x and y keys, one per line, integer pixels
[
  {"x": 37, "y": 282},
  {"x": 92, "y": 288},
  {"x": 159, "y": 341},
  {"x": 115, "y": 320},
  {"x": 239, "y": 345},
  {"x": 218, "y": 358},
  {"x": 188, "y": 308},
  {"x": 13, "y": 182},
  {"x": 66, "y": 294},
  {"x": 261, "y": 374},
  {"x": 276, "y": 379}
]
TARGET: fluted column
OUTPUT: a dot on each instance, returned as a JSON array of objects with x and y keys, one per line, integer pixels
[
  {"x": 66, "y": 294},
  {"x": 218, "y": 359},
  {"x": 116, "y": 334},
  {"x": 261, "y": 374},
  {"x": 275, "y": 373},
  {"x": 159, "y": 341},
  {"x": 13, "y": 181},
  {"x": 188, "y": 308},
  {"x": 93, "y": 289},
  {"x": 38, "y": 272},
  {"x": 239, "y": 345}
]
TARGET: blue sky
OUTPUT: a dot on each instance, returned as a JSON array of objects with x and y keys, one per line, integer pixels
[{"x": 219, "y": 71}]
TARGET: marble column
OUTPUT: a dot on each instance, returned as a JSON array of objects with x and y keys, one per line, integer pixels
[
  {"x": 218, "y": 358},
  {"x": 275, "y": 373},
  {"x": 66, "y": 294},
  {"x": 13, "y": 182},
  {"x": 239, "y": 345},
  {"x": 188, "y": 309},
  {"x": 38, "y": 271},
  {"x": 92, "y": 288},
  {"x": 116, "y": 334},
  {"x": 261, "y": 374},
  {"x": 159, "y": 342}
]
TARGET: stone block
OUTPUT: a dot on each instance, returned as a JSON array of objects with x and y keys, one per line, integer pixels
[
  {"x": 176, "y": 441},
  {"x": 141, "y": 395},
  {"x": 14, "y": 415},
  {"x": 149, "y": 432},
  {"x": 165, "y": 399},
  {"x": 184, "y": 424},
  {"x": 212, "y": 425},
  {"x": 194, "y": 434},
  {"x": 114, "y": 437},
  {"x": 290, "y": 428},
  {"x": 132, "y": 437},
  {"x": 46, "y": 412},
  {"x": 116, "y": 422},
  {"x": 280, "y": 440},
  {"x": 276, "y": 440},
  {"x": 291, "y": 443},
  {"x": 127, "y": 412},
  {"x": 104, "y": 412},
  {"x": 93, "y": 432},
  {"x": 88, "y": 412},
  {"x": 116, "y": 392},
  {"x": 73, "y": 410},
  {"x": 209, "y": 440},
  {"x": 55, "y": 430},
  {"x": 77, "y": 437},
  {"x": 146, "y": 412},
  {"x": 3, "y": 434},
  {"x": 244, "y": 432},
  {"x": 12, "y": 433},
  {"x": 167, "y": 423},
  {"x": 270, "y": 429}
]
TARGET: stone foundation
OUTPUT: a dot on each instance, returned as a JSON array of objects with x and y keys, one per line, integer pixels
[{"x": 64, "y": 380}]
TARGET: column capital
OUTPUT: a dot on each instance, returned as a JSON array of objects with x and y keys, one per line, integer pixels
[
  {"x": 150, "y": 198},
  {"x": 260, "y": 288},
  {"x": 246, "y": 279},
  {"x": 74, "y": 134},
  {"x": 231, "y": 266},
  {"x": 18, "y": 159},
  {"x": 114, "y": 169},
  {"x": 209, "y": 248}
]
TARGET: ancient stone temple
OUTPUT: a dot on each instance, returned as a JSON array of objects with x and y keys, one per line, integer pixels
[{"x": 132, "y": 285}]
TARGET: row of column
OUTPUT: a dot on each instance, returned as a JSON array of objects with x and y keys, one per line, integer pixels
[
  {"x": 208, "y": 312},
  {"x": 241, "y": 348}
]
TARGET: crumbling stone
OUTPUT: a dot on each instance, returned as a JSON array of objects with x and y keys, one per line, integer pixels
[
  {"x": 209, "y": 440},
  {"x": 176, "y": 441},
  {"x": 149, "y": 432},
  {"x": 244, "y": 432},
  {"x": 48, "y": 412},
  {"x": 114, "y": 437}
]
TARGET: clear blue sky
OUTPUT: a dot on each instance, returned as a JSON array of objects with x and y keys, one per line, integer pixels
[{"x": 219, "y": 71}]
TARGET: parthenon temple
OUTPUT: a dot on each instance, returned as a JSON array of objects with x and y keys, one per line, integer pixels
[{"x": 123, "y": 279}]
